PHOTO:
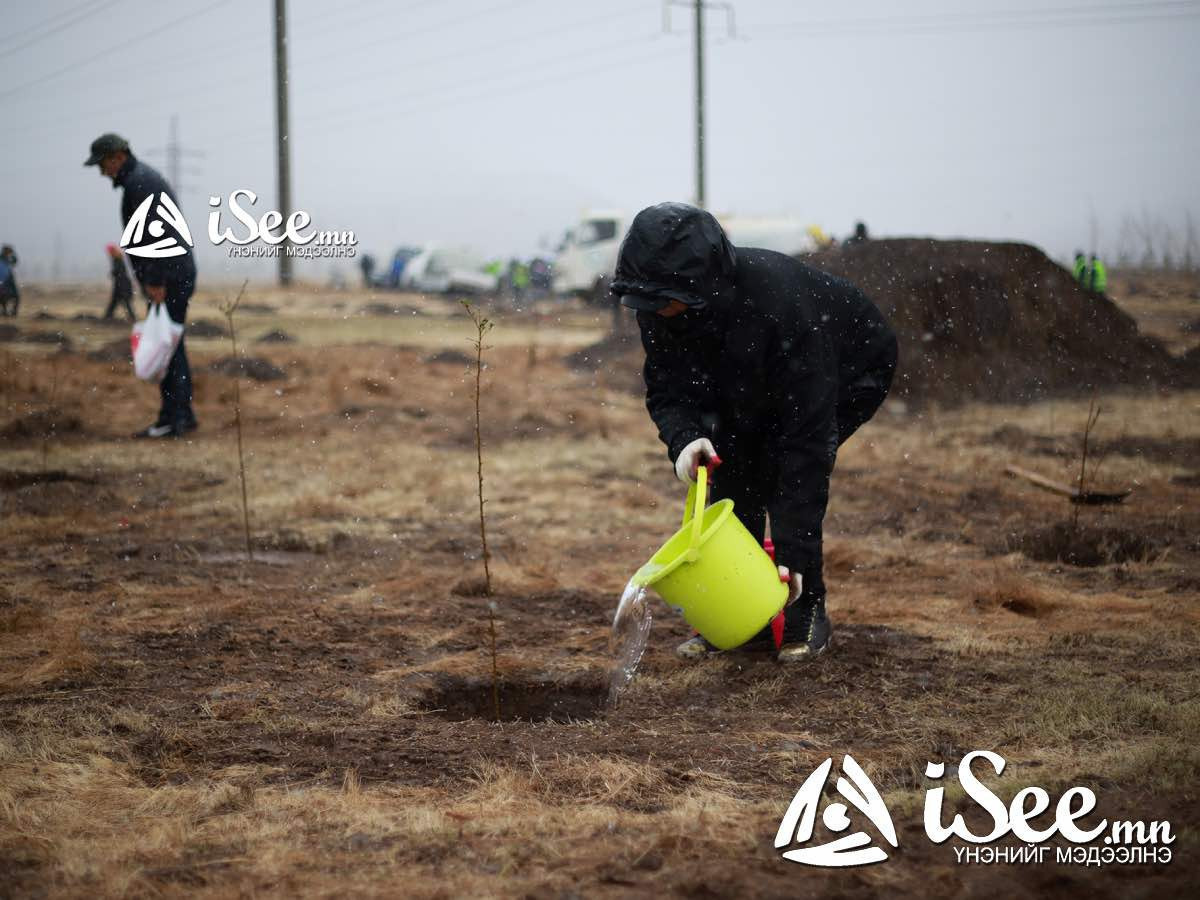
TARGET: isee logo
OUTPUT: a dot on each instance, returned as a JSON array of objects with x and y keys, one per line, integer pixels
[
  {"x": 1123, "y": 841},
  {"x": 159, "y": 244},
  {"x": 800, "y": 818}
]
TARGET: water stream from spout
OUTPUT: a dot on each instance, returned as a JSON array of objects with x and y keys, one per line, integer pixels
[{"x": 627, "y": 641}]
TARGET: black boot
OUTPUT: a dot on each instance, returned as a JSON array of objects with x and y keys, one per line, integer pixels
[{"x": 807, "y": 631}]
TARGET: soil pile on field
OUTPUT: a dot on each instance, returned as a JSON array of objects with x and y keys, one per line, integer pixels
[
  {"x": 980, "y": 320},
  {"x": 975, "y": 321},
  {"x": 276, "y": 337},
  {"x": 203, "y": 328},
  {"x": 253, "y": 367},
  {"x": 119, "y": 350}
]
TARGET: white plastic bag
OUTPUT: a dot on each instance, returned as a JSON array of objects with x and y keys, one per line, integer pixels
[{"x": 154, "y": 341}]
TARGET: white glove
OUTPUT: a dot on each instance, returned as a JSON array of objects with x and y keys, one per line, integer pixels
[
  {"x": 693, "y": 455},
  {"x": 795, "y": 584}
]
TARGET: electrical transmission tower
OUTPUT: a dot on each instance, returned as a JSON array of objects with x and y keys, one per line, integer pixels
[{"x": 174, "y": 155}]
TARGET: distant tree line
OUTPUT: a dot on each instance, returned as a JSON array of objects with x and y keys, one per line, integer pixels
[{"x": 1151, "y": 242}]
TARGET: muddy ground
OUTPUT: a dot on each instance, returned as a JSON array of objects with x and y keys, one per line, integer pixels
[{"x": 176, "y": 719}]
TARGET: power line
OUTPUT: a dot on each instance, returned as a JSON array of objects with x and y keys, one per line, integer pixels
[
  {"x": 491, "y": 78},
  {"x": 16, "y": 36},
  {"x": 441, "y": 26},
  {"x": 411, "y": 64},
  {"x": 1102, "y": 14},
  {"x": 999, "y": 14},
  {"x": 113, "y": 49},
  {"x": 208, "y": 57},
  {"x": 341, "y": 21},
  {"x": 546, "y": 80},
  {"x": 486, "y": 47}
]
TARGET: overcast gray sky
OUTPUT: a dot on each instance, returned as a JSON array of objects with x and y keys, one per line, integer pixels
[{"x": 496, "y": 123}]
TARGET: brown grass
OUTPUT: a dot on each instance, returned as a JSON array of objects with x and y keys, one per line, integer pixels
[{"x": 176, "y": 723}]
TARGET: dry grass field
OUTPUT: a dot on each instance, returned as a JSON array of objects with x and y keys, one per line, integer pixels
[{"x": 176, "y": 720}]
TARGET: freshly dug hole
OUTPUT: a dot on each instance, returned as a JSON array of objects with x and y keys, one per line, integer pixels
[{"x": 521, "y": 700}]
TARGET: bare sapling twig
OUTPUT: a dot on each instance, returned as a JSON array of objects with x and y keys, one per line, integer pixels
[
  {"x": 495, "y": 668},
  {"x": 482, "y": 327},
  {"x": 228, "y": 309},
  {"x": 49, "y": 425},
  {"x": 1092, "y": 416},
  {"x": 532, "y": 358}
]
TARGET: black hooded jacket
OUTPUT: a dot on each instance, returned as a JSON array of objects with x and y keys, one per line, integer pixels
[
  {"x": 758, "y": 361},
  {"x": 139, "y": 182}
]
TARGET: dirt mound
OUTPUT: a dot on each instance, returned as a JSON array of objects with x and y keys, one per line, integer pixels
[
  {"x": 204, "y": 328},
  {"x": 253, "y": 367},
  {"x": 42, "y": 423},
  {"x": 1086, "y": 546},
  {"x": 93, "y": 319},
  {"x": 47, "y": 337},
  {"x": 616, "y": 360},
  {"x": 537, "y": 699},
  {"x": 980, "y": 320},
  {"x": 48, "y": 493},
  {"x": 119, "y": 350},
  {"x": 450, "y": 357},
  {"x": 390, "y": 309},
  {"x": 276, "y": 337},
  {"x": 595, "y": 356}
]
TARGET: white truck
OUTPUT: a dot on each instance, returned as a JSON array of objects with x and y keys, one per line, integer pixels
[{"x": 588, "y": 253}]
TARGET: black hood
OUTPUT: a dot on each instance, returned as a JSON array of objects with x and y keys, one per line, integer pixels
[{"x": 675, "y": 251}]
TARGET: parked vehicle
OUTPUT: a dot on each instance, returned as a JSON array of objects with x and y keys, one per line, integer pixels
[{"x": 445, "y": 270}]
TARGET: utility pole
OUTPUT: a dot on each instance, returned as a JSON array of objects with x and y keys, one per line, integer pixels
[
  {"x": 699, "y": 7},
  {"x": 283, "y": 164}
]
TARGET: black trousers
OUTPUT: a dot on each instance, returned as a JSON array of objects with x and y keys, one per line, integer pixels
[
  {"x": 124, "y": 300},
  {"x": 176, "y": 386},
  {"x": 746, "y": 477},
  {"x": 9, "y": 295}
]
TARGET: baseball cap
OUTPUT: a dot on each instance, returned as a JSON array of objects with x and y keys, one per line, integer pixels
[{"x": 104, "y": 145}]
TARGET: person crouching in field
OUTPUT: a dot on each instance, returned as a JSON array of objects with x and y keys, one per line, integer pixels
[
  {"x": 757, "y": 357},
  {"x": 122, "y": 287}
]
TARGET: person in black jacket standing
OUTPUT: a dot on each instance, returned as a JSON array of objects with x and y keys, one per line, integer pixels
[
  {"x": 122, "y": 288},
  {"x": 757, "y": 357},
  {"x": 9, "y": 292},
  {"x": 168, "y": 279}
]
